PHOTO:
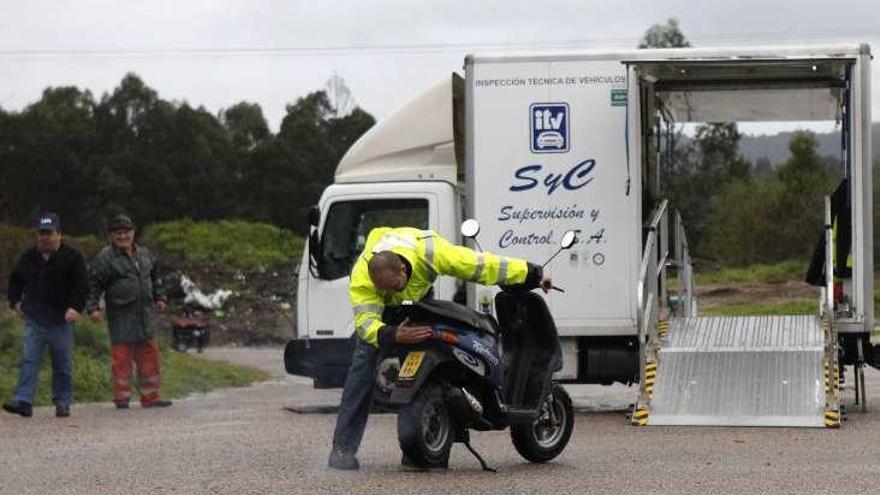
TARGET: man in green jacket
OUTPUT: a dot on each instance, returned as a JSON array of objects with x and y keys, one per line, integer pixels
[
  {"x": 400, "y": 264},
  {"x": 125, "y": 274}
]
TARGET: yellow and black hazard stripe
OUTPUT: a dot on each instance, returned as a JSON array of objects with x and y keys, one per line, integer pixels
[
  {"x": 662, "y": 327},
  {"x": 650, "y": 377},
  {"x": 832, "y": 419},
  {"x": 832, "y": 379},
  {"x": 640, "y": 416}
]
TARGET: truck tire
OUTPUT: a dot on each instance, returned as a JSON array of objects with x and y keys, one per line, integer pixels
[
  {"x": 424, "y": 428},
  {"x": 548, "y": 435}
]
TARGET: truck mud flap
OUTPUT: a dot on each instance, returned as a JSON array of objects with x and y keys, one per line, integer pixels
[
  {"x": 297, "y": 358},
  {"x": 326, "y": 361}
]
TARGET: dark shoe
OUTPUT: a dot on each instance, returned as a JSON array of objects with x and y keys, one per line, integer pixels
[
  {"x": 122, "y": 404},
  {"x": 62, "y": 411},
  {"x": 340, "y": 459},
  {"x": 18, "y": 407},
  {"x": 157, "y": 403}
]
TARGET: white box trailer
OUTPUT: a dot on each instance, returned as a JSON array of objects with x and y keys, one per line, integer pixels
[
  {"x": 545, "y": 153},
  {"x": 535, "y": 144}
]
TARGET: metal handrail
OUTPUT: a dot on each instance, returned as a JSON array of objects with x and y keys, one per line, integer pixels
[
  {"x": 659, "y": 211},
  {"x": 642, "y": 302},
  {"x": 832, "y": 395},
  {"x": 652, "y": 269},
  {"x": 686, "y": 269},
  {"x": 651, "y": 288},
  {"x": 829, "y": 256}
]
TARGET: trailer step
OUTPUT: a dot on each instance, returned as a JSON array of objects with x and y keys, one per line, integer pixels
[{"x": 741, "y": 371}]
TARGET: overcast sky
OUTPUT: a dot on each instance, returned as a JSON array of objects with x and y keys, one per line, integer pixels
[{"x": 216, "y": 53}]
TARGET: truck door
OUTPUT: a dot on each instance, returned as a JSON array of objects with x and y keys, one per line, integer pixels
[{"x": 347, "y": 220}]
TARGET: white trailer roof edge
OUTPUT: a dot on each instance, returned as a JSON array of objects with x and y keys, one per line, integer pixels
[{"x": 841, "y": 50}]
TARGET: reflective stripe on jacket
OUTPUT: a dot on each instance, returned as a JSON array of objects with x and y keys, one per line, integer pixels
[{"x": 429, "y": 255}]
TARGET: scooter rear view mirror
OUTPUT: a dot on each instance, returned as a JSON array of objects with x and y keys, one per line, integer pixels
[
  {"x": 569, "y": 238},
  {"x": 470, "y": 228}
]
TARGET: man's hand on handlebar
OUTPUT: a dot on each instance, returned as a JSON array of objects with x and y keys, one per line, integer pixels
[
  {"x": 546, "y": 283},
  {"x": 412, "y": 334}
]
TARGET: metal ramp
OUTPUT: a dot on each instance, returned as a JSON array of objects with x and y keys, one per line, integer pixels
[
  {"x": 729, "y": 371},
  {"x": 740, "y": 371}
]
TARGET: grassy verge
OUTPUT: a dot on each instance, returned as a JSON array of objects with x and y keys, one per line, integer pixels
[
  {"x": 776, "y": 272},
  {"x": 182, "y": 374},
  {"x": 792, "y": 307},
  {"x": 235, "y": 243}
]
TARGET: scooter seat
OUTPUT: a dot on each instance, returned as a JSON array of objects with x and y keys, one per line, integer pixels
[{"x": 454, "y": 314}]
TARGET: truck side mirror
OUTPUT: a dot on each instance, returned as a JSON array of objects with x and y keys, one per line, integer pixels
[
  {"x": 314, "y": 216},
  {"x": 315, "y": 254},
  {"x": 315, "y": 243}
]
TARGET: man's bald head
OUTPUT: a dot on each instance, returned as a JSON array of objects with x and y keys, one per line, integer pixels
[{"x": 387, "y": 271}]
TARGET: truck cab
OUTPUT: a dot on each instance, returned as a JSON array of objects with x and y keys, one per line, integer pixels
[{"x": 401, "y": 173}]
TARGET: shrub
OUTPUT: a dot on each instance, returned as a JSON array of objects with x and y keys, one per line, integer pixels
[{"x": 232, "y": 242}]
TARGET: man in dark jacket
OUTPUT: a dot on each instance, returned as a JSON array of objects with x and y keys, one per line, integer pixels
[
  {"x": 125, "y": 274},
  {"x": 48, "y": 286}
]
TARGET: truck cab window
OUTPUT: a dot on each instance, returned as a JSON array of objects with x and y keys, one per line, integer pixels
[{"x": 349, "y": 222}]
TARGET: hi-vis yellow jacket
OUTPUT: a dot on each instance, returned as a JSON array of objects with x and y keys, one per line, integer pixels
[{"x": 429, "y": 255}]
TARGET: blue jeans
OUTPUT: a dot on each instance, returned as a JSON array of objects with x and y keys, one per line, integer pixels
[
  {"x": 357, "y": 397},
  {"x": 59, "y": 338}
]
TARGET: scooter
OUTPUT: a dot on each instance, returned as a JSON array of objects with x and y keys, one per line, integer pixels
[{"x": 482, "y": 374}]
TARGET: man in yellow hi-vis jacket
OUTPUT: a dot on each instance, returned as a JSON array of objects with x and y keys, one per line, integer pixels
[{"x": 401, "y": 264}]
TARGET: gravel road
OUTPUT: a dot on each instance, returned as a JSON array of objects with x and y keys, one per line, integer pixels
[{"x": 245, "y": 441}]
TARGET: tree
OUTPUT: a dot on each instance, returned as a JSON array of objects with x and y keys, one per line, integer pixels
[
  {"x": 43, "y": 150},
  {"x": 246, "y": 125},
  {"x": 694, "y": 172},
  {"x": 762, "y": 166},
  {"x": 718, "y": 145},
  {"x": 775, "y": 218},
  {"x": 664, "y": 36},
  {"x": 289, "y": 172},
  {"x": 157, "y": 160}
]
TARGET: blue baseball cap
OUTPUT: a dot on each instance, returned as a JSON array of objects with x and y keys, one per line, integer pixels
[{"x": 48, "y": 221}]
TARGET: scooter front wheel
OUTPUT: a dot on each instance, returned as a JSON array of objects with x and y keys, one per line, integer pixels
[
  {"x": 424, "y": 428},
  {"x": 546, "y": 437}
]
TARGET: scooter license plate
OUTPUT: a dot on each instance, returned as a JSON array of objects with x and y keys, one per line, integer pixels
[{"x": 411, "y": 364}]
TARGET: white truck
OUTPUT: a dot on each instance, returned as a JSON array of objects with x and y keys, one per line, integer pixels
[{"x": 532, "y": 145}]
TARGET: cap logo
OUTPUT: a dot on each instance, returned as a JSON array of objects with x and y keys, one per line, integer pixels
[{"x": 44, "y": 221}]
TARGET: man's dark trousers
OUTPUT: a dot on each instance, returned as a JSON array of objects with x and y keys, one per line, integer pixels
[{"x": 357, "y": 397}]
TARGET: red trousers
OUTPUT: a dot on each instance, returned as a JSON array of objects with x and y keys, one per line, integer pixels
[{"x": 146, "y": 355}]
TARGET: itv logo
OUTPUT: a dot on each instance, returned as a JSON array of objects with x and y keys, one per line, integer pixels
[{"x": 549, "y": 123}]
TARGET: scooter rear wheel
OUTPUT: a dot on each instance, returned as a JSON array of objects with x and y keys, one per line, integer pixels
[
  {"x": 547, "y": 436},
  {"x": 424, "y": 428}
]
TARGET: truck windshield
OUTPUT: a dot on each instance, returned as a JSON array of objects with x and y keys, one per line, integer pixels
[{"x": 349, "y": 222}]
